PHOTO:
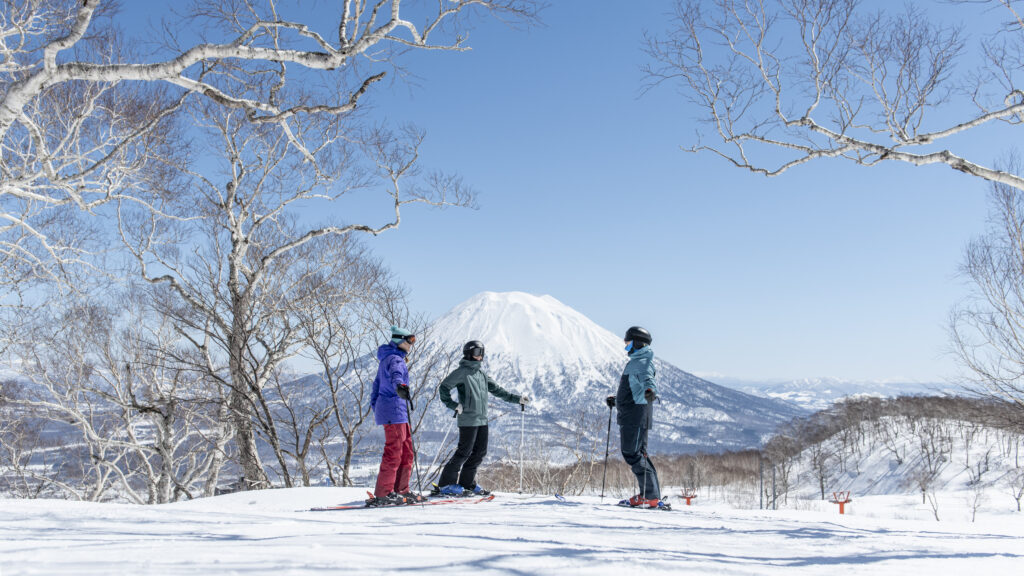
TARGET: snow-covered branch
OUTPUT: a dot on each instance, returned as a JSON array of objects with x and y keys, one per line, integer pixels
[
  {"x": 85, "y": 120},
  {"x": 782, "y": 83}
]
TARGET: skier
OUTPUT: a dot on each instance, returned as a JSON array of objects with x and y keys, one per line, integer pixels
[
  {"x": 389, "y": 403},
  {"x": 635, "y": 397},
  {"x": 458, "y": 478}
]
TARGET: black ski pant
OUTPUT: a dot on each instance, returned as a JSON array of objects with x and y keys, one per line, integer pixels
[
  {"x": 467, "y": 458},
  {"x": 633, "y": 425}
]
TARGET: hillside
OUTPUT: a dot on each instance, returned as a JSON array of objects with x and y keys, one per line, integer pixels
[
  {"x": 910, "y": 445},
  {"x": 938, "y": 457}
]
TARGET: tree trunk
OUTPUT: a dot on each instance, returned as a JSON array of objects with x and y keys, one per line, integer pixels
[
  {"x": 346, "y": 480},
  {"x": 217, "y": 459},
  {"x": 245, "y": 438},
  {"x": 240, "y": 400}
]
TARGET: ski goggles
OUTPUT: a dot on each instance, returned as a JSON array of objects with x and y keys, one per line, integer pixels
[{"x": 411, "y": 338}]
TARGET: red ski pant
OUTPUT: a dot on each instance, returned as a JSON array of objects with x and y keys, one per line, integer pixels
[{"x": 396, "y": 464}]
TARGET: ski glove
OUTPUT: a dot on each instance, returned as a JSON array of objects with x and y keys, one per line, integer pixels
[
  {"x": 649, "y": 395},
  {"x": 524, "y": 399},
  {"x": 458, "y": 409},
  {"x": 403, "y": 391},
  {"x": 610, "y": 401}
]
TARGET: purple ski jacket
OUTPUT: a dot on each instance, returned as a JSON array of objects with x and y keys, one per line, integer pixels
[{"x": 388, "y": 408}]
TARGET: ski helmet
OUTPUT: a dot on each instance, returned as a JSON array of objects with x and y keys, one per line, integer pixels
[
  {"x": 638, "y": 336},
  {"x": 472, "y": 348}
]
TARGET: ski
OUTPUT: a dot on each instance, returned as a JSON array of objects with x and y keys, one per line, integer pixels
[
  {"x": 412, "y": 505},
  {"x": 663, "y": 505},
  {"x": 435, "y": 492},
  {"x": 462, "y": 500}
]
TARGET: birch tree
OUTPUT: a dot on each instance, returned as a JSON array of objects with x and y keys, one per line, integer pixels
[
  {"x": 985, "y": 327},
  {"x": 88, "y": 118},
  {"x": 340, "y": 330},
  {"x": 88, "y": 126},
  {"x": 781, "y": 83},
  {"x": 145, "y": 425},
  {"x": 240, "y": 260}
]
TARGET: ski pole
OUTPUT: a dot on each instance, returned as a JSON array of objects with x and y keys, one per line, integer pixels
[
  {"x": 443, "y": 440},
  {"x": 415, "y": 455},
  {"x": 643, "y": 450},
  {"x": 607, "y": 443},
  {"x": 522, "y": 426}
]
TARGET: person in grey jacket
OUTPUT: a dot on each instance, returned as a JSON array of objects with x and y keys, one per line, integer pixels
[
  {"x": 473, "y": 386},
  {"x": 637, "y": 391}
]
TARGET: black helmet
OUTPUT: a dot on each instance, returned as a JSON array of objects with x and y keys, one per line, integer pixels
[
  {"x": 472, "y": 348},
  {"x": 638, "y": 336}
]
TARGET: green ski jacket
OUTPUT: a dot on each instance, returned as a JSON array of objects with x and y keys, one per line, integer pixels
[{"x": 473, "y": 387}]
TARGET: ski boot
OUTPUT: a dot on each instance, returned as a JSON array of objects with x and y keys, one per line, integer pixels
[
  {"x": 479, "y": 491},
  {"x": 412, "y": 497},
  {"x": 639, "y": 501},
  {"x": 452, "y": 490},
  {"x": 392, "y": 499}
]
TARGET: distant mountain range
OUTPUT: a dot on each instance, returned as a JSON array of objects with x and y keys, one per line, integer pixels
[{"x": 820, "y": 393}]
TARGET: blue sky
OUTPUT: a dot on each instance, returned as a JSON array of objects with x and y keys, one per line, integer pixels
[{"x": 828, "y": 270}]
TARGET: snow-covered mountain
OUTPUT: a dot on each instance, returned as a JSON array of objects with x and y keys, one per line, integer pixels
[
  {"x": 568, "y": 365},
  {"x": 820, "y": 393}
]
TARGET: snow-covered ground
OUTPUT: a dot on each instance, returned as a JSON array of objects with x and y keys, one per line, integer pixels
[{"x": 270, "y": 533}]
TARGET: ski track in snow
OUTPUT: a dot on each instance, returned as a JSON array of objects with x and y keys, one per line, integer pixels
[{"x": 272, "y": 533}]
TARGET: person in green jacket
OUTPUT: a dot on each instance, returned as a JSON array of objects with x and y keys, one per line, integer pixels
[{"x": 458, "y": 477}]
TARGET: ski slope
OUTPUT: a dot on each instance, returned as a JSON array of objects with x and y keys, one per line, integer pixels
[{"x": 259, "y": 533}]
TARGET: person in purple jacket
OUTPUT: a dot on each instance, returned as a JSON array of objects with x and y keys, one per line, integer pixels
[{"x": 389, "y": 403}]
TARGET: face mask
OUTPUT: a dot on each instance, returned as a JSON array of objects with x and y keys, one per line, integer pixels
[{"x": 629, "y": 347}]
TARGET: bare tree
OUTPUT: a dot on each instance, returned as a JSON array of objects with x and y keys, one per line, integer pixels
[
  {"x": 84, "y": 116},
  {"x": 334, "y": 338},
  {"x": 29, "y": 464},
  {"x": 985, "y": 329},
  {"x": 298, "y": 416},
  {"x": 343, "y": 336},
  {"x": 241, "y": 235},
  {"x": 145, "y": 424},
  {"x": 821, "y": 465},
  {"x": 1014, "y": 480},
  {"x": 781, "y": 83},
  {"x": 342, "y": 320},
  {"x": 253, "y": 262}
]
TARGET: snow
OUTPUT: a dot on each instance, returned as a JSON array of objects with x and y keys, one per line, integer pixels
[
  {"x": 535, "y": 330},
  {"x": 887, "y": 528},
  {"x": 270, "y": 533},
  {"x": 567, "y": 364},
  {"x": 821, "y": 392}
]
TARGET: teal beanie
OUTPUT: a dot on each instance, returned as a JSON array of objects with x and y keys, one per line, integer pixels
[{"x": 398, "y": 334}]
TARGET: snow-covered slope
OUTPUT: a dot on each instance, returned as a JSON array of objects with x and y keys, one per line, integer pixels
[
  {"x": 269, "y": 533},
  {"x": 568, "y": 364},
  {"x": 901, "y": 455}
]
